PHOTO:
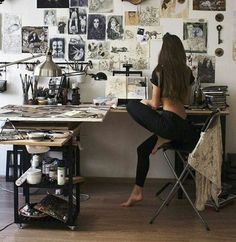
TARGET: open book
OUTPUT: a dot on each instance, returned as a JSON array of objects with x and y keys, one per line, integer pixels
[{"x": 127, "y": 87}]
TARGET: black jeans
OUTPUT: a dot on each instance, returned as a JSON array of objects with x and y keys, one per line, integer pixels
[{"x": 165, "y": 124}]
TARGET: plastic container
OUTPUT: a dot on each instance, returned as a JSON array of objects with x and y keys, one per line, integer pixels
[{"x": 61, "y": 172}]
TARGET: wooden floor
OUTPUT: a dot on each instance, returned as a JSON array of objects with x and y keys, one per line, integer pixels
[{"x": 102, "y": 219}]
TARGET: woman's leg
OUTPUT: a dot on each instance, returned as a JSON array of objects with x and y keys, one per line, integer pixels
[{"x": 144, "y": 150}]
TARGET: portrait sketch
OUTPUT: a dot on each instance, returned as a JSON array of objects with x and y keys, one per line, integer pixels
[
  {"x": 34, "y": 39},
  {"x": 206, "y": 69},
  {"x": 76, "y": 49},
  {"x": 96, "y": 27},
  {"x": 82, "y": 21},
  {"x": 195, "y": 37},
  {"x": 131, "y": 18},
  {"x": 52, "y": 3},
  {"x": 115, "y": 29},
  {"x": 98, "y": 6},
  {"x": 57, "y": 45},
  {"x": 209, "y": 5}
]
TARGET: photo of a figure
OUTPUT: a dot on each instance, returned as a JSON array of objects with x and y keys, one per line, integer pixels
[
  {"x": 73, "y": 22},
  {"x": 114, "y": 27},
  {"x": 76, "y": 50},
  {"x": 52, "y": 3},
  {"x": 209, "y": 5},
  {"x": 96, "y": 27},
  {"x": 57, "y": 45},
  {"x": 50, "y": 17},
  {"x": 34, "y": 39}
]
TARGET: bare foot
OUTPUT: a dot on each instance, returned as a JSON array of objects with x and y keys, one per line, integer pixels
[
  {"x": 135, "y": 197},
  {"x": 161, "y": 141}
]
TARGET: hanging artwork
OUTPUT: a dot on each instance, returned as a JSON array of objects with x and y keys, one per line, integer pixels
[
  {"x": 131, "y": 18},
  {"x": 11, "y": 34},
  {"x": 76, "y": 49},
  {"x": 195, "y": 37},
  {"x": 98, "y": 49},
  {"x": 96, "y": 27},
  {"x": 98, "y": 6},
  {"x": 57, "y": 45},
  {"x": 149, "y": 16},
  {"x": 52, "y": 3},
  {"x": 206, "y": 69},
  {"x": 50, "y": 17},
  {"x": 213, "y": 5},
  {"x": 34, "y": 39},
  {"x": 115, "y": 29},
  {"x": 174, "y": 9},
  {"x": 73, "y": 22}
]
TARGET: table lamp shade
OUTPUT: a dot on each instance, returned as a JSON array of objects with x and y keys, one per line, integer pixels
[{"x": 47, "y": 68}]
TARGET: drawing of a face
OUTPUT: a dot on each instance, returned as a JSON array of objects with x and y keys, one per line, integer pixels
[{"x": 96, "y": 23}]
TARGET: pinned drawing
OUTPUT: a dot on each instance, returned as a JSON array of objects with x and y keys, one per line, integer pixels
[
  {"x": 195, "y": 37},
  {"x": 97, "y": 49},
  {"x": 34, "y": 39},
  {"x": 98, "y": 6},
  {"x": 76, "y": 49},
  {"x": 50, "y": 17},
  {"x": 96, "y": 27},
  {"x": 149, "y": 16},
  {"x": 174, "y": 9},
  {"x": 131, "y": 18},
  {"x": 52, "y": 4},
  {"x": 11, "y": 34},
  {"x": 115, "y": 27},
  {"x": 136, "y": 87},
  {"x": 213, "y": 5},
  {"x": 206, "y": 69}
]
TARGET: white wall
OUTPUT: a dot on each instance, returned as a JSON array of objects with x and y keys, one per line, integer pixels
[{"x": 110, "y": 147}]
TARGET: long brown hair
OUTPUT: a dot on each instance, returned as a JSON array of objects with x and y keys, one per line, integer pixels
[{"x": 174, "y": 74}]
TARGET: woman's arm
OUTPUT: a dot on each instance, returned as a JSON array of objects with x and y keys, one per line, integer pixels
[{"x": 155, "y": 101}]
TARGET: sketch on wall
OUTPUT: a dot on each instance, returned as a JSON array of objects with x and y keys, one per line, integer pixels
[
  {"x": 76, "y": 49},
  {"x": 34, "y": 39},
  {"x": 174, "y": 9},
  {"x": 50, "y": 17},
  {"x": 52, "y": 3},
  {"x": 98, "y": 49},
  {"x": 131, "y": 18},
  {"x": 57, "y": 45},
  {"x": 195, "y": 37},
  {"x": 11, "y": 42},
  {"x": 73, "y": 22},
  {"x": 149, "y": 16},
  {"x": 206, "y": 69},
  {"x": 82, "y": 21},
  {"x": 61, "y": 26},
  {"x": 130, "y": 32},
  {"x": 96, "y": 27},
  {"x": 213, "y": 5},
  {"x": 98, "y": 6},
  {"x": 115, "y": 29}
]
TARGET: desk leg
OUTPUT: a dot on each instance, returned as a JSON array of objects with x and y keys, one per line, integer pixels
[{"x": 16, "y": 197}]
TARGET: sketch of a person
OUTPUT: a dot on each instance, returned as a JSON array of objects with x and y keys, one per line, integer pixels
[
  {"x": 33, "y": 38},
  {"x": 73, "y": 21},
  {"x": 50, "y": 17},
  {"x": 61, "y": 27},
  {"x": 96, "y": 28},
  {"x": 57, "y": 46},
  {"x": 206, "y": 71},
  {"x": 82, "y": 24},
  {"x": 114, "y": 29}
]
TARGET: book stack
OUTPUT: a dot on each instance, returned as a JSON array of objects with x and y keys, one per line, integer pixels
[{"x": 215, "y": 96}]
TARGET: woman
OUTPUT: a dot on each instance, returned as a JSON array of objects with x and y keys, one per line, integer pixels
[
  {"x": 171, "y": 80},
  {"x": 114, "y": 30}
]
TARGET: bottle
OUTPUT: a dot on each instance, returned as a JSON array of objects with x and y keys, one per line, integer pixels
[{"x": 61, "y": 172}]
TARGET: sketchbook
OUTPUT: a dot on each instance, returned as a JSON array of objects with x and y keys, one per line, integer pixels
[{"x": 127, "y": 87}]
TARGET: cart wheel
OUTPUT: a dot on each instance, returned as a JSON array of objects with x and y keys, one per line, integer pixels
[{"x": 20, "y": 226}]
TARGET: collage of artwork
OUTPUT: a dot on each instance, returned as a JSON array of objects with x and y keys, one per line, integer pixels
[{"x": 90, "y": 30}]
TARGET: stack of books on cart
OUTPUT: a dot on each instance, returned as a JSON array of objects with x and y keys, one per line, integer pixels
[{"x": 215, "y": 96}]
